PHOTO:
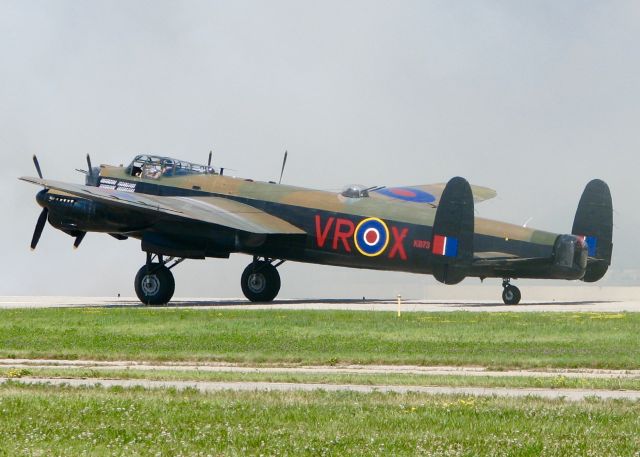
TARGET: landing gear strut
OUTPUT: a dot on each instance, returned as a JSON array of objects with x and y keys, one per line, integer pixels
[
  {"x": 510, "y": 294},
  {"x": 260, "y": 280},
  {"x": 154, "y": 282}
]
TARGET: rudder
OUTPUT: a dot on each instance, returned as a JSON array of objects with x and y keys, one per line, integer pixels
[
  {"x": 594, "y": 222},
  {"x": 453, "y": 230}
]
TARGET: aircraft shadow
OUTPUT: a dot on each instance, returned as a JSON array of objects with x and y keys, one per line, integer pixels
[
  {"x": 223, "y": 303},
  {"x": 324, "y": 301}
]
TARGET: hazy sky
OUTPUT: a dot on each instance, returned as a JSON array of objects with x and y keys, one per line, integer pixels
[{"x": 532, "y": 99}]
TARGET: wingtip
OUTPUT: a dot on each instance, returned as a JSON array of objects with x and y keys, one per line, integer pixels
[{"x": 30, "y": 179}]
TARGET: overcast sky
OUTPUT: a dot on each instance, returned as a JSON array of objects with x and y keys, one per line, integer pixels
[{"x": 532, "y": 99}]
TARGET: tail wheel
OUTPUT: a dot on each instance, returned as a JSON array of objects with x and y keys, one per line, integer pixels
[
  {"x": 511, "y": 295},
  {"x": 260, "y": 281},
  {"x": 154, "y": 284}
]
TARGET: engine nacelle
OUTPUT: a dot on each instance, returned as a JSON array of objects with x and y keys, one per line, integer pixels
[{"x": 74, "y": 214}]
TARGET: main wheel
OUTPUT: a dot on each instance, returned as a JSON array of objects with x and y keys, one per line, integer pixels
[
  {"x": 154, "y": 284},
  {"x": 260, "y": 281},
  {"x": 511, "y": 295}
]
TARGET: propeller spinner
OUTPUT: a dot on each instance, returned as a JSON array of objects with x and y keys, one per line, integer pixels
[{"x": 44, "y": 215}]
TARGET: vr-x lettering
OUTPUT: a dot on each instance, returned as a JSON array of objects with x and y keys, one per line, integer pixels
[
  {"x": 343, "y": 230},
  {"x": 322, "y": 234},
  {"x": 341, "y": 235},
  {"x": 398, "y": 244},
  {"x": 371, "y": 237}
]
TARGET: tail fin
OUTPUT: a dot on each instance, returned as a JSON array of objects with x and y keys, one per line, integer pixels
[
  {"x": 453, "y": 229},
  {"x": 594, "y": 222}
]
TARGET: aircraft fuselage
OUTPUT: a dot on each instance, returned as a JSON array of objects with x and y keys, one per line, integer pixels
[{"x": 400, "y": 240}]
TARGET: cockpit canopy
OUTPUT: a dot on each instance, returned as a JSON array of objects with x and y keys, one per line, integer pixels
[{"x": 155, "y": 167}]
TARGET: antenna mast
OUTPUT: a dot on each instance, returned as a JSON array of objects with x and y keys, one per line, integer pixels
[{"x": 284, "y": 162}]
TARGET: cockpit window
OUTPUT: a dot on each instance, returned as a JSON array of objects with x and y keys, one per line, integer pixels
[
  {"x": 151, "y": 171},
  {"x": 155, "y": 167}
]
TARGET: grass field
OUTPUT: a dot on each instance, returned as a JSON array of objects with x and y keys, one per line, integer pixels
[
  {"x": 496, "y": 340},
  {"x": 555, "y": 382},
  {"x": 42, "y": 420},
  {"x": 47, "y": 420}
]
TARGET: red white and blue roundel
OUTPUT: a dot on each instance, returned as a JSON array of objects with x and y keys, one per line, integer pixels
[
  {"x": 408, "y": 194},
  {"x": 371, "y": 237}
]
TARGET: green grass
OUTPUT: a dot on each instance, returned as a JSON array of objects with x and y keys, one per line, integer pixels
[
  {"x": 497, "y": 340},
  {"x": 555, "y": 382},
  {"x": 44, "y": 420}
]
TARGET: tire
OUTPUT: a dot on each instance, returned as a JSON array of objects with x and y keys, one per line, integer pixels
[
  {"x": 511, "y": 295},
  {"x": 260, "y": 282},
  {"x": 154, "y": 284}
]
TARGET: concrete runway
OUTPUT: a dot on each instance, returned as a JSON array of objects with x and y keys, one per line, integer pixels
[{"x": 558, "y": 299}]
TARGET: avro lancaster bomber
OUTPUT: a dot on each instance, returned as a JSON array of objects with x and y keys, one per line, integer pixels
[{"x": 180, "y": 210}]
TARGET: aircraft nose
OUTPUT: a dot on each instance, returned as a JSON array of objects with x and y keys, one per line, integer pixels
[{"x": 41, "y": 197}]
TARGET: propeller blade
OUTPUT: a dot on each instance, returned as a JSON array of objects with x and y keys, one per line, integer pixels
[
  {"x": 42, "y": 220},
  {"x": 84, "y": 172},
  {"x": 78, "y": 240},
  {"x": 89, "y": 165},
  {"x": 210, "y": 157},
  {"x": 284, "y": 162},
  {"x": 37, "y": 164}
]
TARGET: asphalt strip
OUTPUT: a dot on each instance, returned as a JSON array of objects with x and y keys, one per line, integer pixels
[
  {"x": 537, "y": 299},
  {"x": 204, "y": 386}
]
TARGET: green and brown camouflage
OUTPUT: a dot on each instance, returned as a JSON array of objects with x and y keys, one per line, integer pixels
[
  {"x": 400, "y": 211},
  {"x": 183, "y": 210}
]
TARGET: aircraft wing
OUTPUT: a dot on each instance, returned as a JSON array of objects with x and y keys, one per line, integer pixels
[
  {"x": 213, "y": 210},
  {"x": 429, "y": 193}
]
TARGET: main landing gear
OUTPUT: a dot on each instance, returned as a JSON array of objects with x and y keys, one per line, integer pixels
[
  {"x": 510, "y": 294},
  {"x": 155, "y": 285},
  {"x": 260, "y": 280},
  {"x": 154, "y": 282}
]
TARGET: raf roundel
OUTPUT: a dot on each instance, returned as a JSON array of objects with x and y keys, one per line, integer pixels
[
  {"x": 408, "y": 194},
  {"x": 371, "y": 237}
]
